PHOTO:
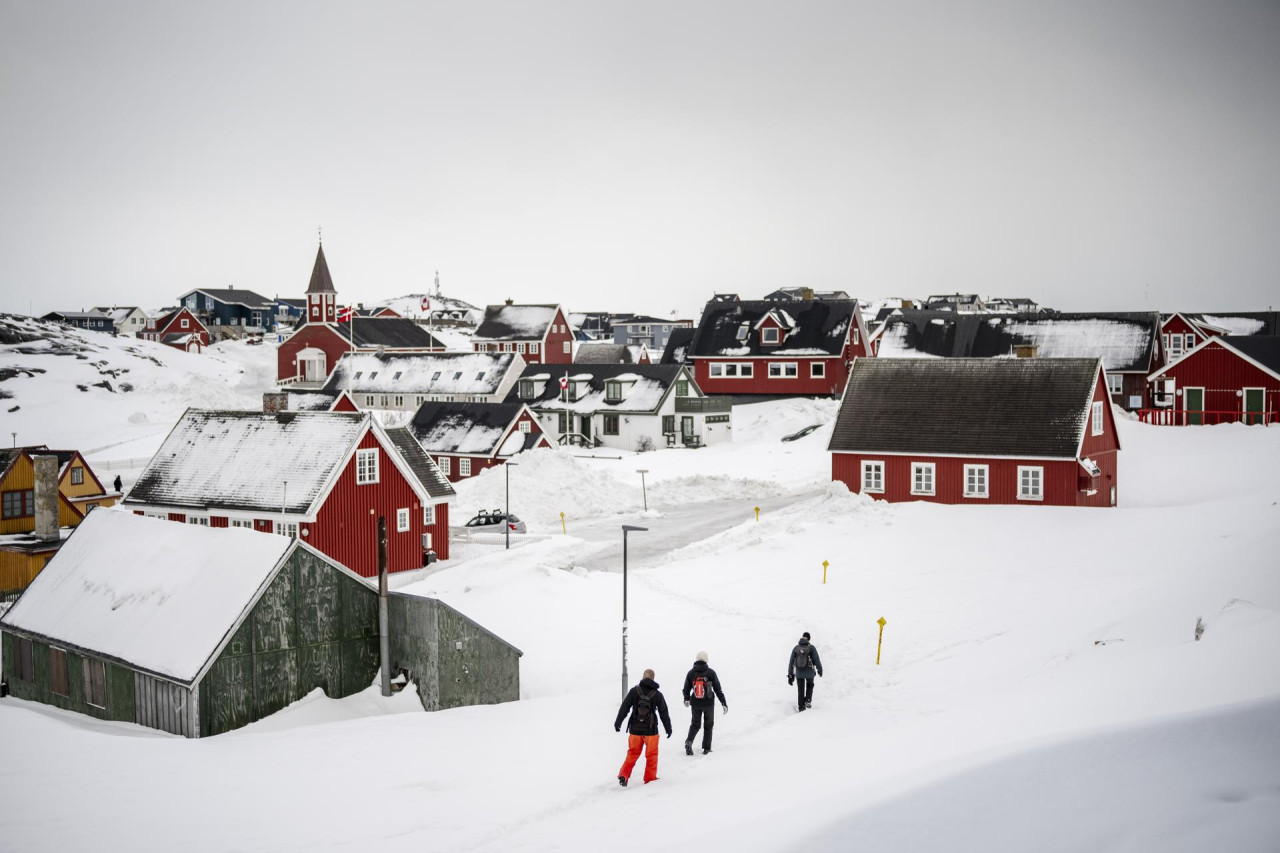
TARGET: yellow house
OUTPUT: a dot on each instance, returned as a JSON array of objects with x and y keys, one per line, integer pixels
[{"x": 22, "y": 554}]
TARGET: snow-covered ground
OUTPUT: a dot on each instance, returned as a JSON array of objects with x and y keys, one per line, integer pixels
[{"x": 1041, "y": 686}]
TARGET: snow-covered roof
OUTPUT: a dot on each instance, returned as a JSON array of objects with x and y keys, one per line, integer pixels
[
  {"x": 465, "y": 428},
  {"x": 165, "y": 606},
  {"x": 651, "y": 384},
  {"x": 813, "y": 326},
  {"x": 515, "y": 322},
  {"x": 475, "y": 373},
  {"x": 241, "y": 460}
]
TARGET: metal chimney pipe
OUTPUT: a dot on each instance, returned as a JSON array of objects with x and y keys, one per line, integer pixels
[
  {"x": 46, "y": 497},
  {"x": 384, "y": 639}
]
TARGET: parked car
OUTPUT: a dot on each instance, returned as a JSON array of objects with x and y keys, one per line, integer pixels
[
  {"x": 801, "y": 434},
  {"x": 492, "y": 521}
]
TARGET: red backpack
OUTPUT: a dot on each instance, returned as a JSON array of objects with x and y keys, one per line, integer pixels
[{"x": 701, "y": 686}]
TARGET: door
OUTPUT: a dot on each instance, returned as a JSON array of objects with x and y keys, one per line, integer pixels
[
  {"x": 1193, "y": 406},
  {"x": 686, "y": 427},
  {"x": 1255, "y": 406},
  {"x": 586, "y": 427}
]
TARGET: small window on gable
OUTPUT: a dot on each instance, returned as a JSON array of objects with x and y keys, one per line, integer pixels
[
  {"x": 366, "y": 466},
  {"x": 1097, "y": 418},
  {"x": 525, "y": 426},
  {"x": 768, "y": 335},
  {"x": 77, "y": 476},
  {"x": 185, "y": 323}
]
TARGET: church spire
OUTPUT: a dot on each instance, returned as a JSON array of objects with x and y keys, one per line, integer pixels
[{"x": 322, "y": 299}]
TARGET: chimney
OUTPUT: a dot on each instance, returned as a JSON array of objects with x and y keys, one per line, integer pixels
[
  {"x": 1026, "y": 350},
  {"x": 806, "y": 294},
  {"x": 46, "y": 497},
  {"x": 275, "y": 401}
]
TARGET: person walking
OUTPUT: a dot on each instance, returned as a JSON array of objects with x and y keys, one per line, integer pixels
[
  {"x": 701, "y": 689},
  {"x": 118, "y": 484},
  {"x": 645, "y": 704},
  {"x": 803, "y": 664}
]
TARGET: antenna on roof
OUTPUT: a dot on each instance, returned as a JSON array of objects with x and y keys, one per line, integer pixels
[{"x": 437, "y": 294}]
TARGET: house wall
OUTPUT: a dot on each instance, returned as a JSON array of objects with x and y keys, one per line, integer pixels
[
  {"x": 313, "y": 627},
  {"x": 1106, "y": 441},
  {"x": 21, "y": 477},
  {"x": 1176, "y": 325},
  {"x": 315, "y": 335},
  {"x": 483, "y": 463},
  {"x": 1222, "y": 374},
  {"x": 553, "y": 349},
  {"x": 19, "y": 569},
  {"x": 119, "y": 682}
]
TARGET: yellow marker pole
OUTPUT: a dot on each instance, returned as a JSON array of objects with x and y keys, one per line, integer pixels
[
  {"x": 757, "y": 515},
  {"x": 563, "y": 529},
  {"x": 824, "y": 570},
  {"x": 880, "y": 642}
]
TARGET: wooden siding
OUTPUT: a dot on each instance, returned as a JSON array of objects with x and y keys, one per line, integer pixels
[
  {"x": 119, "y": 684},
  {"x": 831, "y": 384},
  {"x": 21, "y": 476},
  {"x": 1107, "y": 441},
  {"x": 163, "y": 705},
  {"x": 18, "y": 569},
  {"x": 1222, "y": 374},
  {"x": 553, "y": 345},
  {"x": 315, "y": 335}
]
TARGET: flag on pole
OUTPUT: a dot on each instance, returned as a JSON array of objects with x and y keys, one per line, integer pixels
[{"x": 344, "y": 313}]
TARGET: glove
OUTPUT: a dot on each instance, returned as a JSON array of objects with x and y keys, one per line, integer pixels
[
  {"x": 617, "y": 728},
  {"x": 724, "y": 708},
  {"x": 819, "y": 673},
  {"x": 791, "y": 679},
  {"x": 668, "y": 734},
  {"x": 686, "y": 703}
]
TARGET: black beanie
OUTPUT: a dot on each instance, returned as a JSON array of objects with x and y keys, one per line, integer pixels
[{"x": 805, "y": 635}]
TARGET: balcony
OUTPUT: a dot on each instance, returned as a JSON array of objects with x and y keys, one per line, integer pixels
[
  {"x": 703, "y": 405},
  {"x": 1204, "y": 417}
]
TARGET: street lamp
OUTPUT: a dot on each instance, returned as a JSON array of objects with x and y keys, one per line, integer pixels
[
  {"x": 626, "y": 528},
  {"x": 643, "y": 490},
  {"x": 506, "y": 467}
]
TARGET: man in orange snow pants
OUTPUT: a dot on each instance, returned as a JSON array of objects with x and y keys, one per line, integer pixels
[{"x": 646, "y": 704}]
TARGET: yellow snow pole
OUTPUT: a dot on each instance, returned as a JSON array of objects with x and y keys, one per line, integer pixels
[
  {"x": 757, "y": 515},
  {"x": 563, "y": 529},
  {"x": 824, "y": 570},
  {"x": 880, "y": 642}
]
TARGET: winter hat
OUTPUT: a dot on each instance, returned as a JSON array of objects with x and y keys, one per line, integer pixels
[
  {"x": 805, "y": 635},
  {"x": 702, "y": 656}
]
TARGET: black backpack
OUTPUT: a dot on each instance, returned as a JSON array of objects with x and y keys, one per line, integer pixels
[
  {"x": 642, "y": 716},
  {"x": 801, "y": 657}
]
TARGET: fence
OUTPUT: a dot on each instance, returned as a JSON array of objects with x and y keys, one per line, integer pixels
[{"x": 1204, "y": 417}]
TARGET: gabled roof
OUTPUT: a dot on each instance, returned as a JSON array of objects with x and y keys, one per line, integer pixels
[
  {"x": 166, "y": 608},
  {"x": 232, "y": 296},
  {"x": 602, "y": 353},
  {"x": 241, "y": 460},
  {"x": 78, "y": 315},
  {"x": 678, "y": 345},
  {"x": 1030, "y": 407},
  {"x": 1236, "y": 323},
  {"x": 389, "y": 332},
  {"x": 437, "y": 373},
  {"x": 648, "y": 384},
  {"x": 641, "y": 320},
  {"x": 10, "y": 455},
  {"x": 821, "y": 328},
  {"x": 475, "y": 429},
  {"x": 427, "y": 472},
  {"x": 1125, "y": 342},
  {"x": 1261, "y": 350},
  {"x": 321, "y": 281},
  {"x": 515, "y": 322}
]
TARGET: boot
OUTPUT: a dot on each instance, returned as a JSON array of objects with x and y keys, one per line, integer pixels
[
  {"x": 688, "y": 747},
  {"x": 622, "y": 780}
]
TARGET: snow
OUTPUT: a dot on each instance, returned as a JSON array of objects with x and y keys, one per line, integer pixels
[
  {"x": 522, "y": 322},
  {"x": 1119, "y": 345},
  {"x": 513, "y": 444},
  {"x": 1235, "y": 325},
  {"x": 459, "y": 373},
  {"x": 164, "y": 608},
  {"x": 645, "y": 396},
  {"x": 460, "y": 434}
]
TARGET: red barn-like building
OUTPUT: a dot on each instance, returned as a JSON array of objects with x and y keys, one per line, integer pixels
[
  {"x": 539, "y": 333},
  {"x": 178, "y": 329},
  {"x": 976, "y": 430},
  {"x": 1222, "y": 380},
  {"x": 323, "y": 476}
]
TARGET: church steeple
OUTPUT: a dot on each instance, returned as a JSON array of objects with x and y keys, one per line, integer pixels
[{"x": 322, "y": 299}]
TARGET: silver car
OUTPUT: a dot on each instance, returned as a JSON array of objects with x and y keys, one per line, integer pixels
[{"x": 492, "y": 522}]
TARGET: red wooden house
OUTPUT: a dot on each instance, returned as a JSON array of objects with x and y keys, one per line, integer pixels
[
  {"x": 762, "y": 347},
  {"x": 179, "y": 329},
  {"x": 977, "y": 431},
  {"x": 1221, "y": 380},
  {"x": 1182, "y": 332},
  {"x": 466, "y": 438},
  {"x": 539, "y": 333},
  {"x": 323, "y": 476}
]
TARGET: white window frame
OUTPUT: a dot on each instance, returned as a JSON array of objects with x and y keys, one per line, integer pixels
[
  {"x": 1098, "y": 420},
  {"x": 983, "y": 481},
  {"x": 428, "y": 515},
  {"x": 285, "y": 528},
  {"x": 402, "y": 520},
  {"x": 240, "y": 522},
  {"x": 367, "y": 466},
  {"x": 446, "y": 465},
  {"x": 464, "y": 466},
  {"x": 768, "y": 335},
  {"x": 875, "y": 467},
  {"x": 77, "y": 475},
  {"x": 520, "y": 348},
  {"x": 1115, "y": 383},
  {"x": 922, "y": 467},
  {"x": 524, "y": 426},
  {"x": 185, "y": 324},
  {"x": 533, "y": 349},
  {"x": 566, "y": 347},
  {"x": 817, "y": 370},
  {"x": 202, "y": 520},
  {"x": 1038, "y": 494}
]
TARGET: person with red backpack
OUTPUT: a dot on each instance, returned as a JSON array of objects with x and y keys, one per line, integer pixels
[
  {"x": 646, "y": 704},
  {"x": 701, "y": 688}
]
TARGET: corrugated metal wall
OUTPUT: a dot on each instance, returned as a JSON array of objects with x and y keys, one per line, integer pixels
[{"x": 162, "y": 705}]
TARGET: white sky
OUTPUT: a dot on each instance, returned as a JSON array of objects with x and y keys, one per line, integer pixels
[{"x": 641, "y": 156}]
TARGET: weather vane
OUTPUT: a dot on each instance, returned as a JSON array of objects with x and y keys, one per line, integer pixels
[{"x": 320, "y": 235}]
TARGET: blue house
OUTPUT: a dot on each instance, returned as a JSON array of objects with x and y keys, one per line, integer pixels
[
  {"x": 653, "y": 332},
  {"x": 230, "y": 307}
]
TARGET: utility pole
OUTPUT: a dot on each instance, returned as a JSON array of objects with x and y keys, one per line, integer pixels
[
  {"x": 506, "y": 467},
  {"x": 384, "y": 639},
  {"x": 626, "y": 528}
]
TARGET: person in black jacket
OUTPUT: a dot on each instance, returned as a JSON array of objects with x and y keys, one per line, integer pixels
[
  {"x": 803, "y": 664},
  {"x": 645, "y": 704},
  {"x": 701, "y": 688}
]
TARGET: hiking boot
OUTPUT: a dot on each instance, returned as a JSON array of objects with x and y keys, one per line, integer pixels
[
  {"x": 688, "y": 747},
  {"x": 622, "y": 780},
  {"x": 705, "y": 751},
  {"x": 808, "y": 705}
]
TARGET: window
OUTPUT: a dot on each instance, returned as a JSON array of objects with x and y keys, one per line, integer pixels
[
  {"x": 562, "y": 424},
  {"x": 399, "y": 401},
  {"x": 359, "y": 373},
  {"x": 58, "y": 672},
  {"x": 975, "y": 481},
  {"x": 480, "y": 376},
  {"x": 533, "y": 349},
  {"x": 19, "y": 504},
  {"x": 366, "y": 466},
  {"x": 1097, "y": 418},
  {"x": 457, "y": 376},
  {"x": 524, "y": 426},
  {"x": 368, "y": 399},
  {"x": 1115, "y": 384},
  {"x": 428, "y": 515},
  {"x": 716, "y": 419},
  {"x": 286, "y": 528},
  {"x": 26, "y": 660},
  {"x": 520, "y": 348},
  {"x": 610, "y": 425},
  {"x": 613, "y": 391},
  {"x": 402, "y": 521},
  {"x": 817, "y": 369},
  {"x": 768, "y": 335},
  {"x": 202, "y": 520},
  {"x": 446, "y": 465},
  {"x": 566, "y": 347},
  {"x": 526, "y": 389},
  {"x": 1175, "y": 346},
  {"x": 399, "y": 373},
  {"x": 241, "y": 522},
  {"x": 1030, "y": 483},
  {"x": 1191, "y": 341},
  {"x": 783, "y": 370},
  {"x": 682, "y": 387},
  {"x": 873, "y": 476},
  {"x": 464, "y": 467},
  {"x": 669, "y": 423},
  {"x": 716, "y": 369},
  {"x": 95, "y": 682},
  {"x": 89, "y": 507},
  {"x": 922, "y": 478},
  {"x": 77, "y": 475},
  {"x": 184, "y": 324},
  {"x": 732, "y": 369}
]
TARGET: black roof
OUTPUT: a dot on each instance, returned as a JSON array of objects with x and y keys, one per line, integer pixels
[
  {"x": 678, "y": 345},
  {"x": 820, "y": 325},
  {"x": 455, "y": 422},
  {"x": 1269, "y": 320},
  {"x": 529, "y": 321},
  {"x": 390, "y": 332},
  {"x": 1125, "y": 342},
  {"x": 428, "y": 474},
  {"x": 321, "y": 281},
  {"x": 663, "y": 374},
  {"x": 232, "y": 296},
  {"x": 1034, "y": 407},
  {"x": 1264, "y": 349},
  {"x": 602, "y": 353}
]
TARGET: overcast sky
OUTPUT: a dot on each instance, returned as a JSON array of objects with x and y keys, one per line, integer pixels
[{"x": 641, "y": 156}]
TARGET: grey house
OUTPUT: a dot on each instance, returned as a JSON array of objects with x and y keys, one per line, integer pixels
[
  {"x": 652, "y": 332},
  {"x": 204, "y": 630}
]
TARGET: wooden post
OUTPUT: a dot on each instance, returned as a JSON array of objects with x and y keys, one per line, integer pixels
[
  {"x": 824, "y": 570},
  {"x": 384, "y": 640}
]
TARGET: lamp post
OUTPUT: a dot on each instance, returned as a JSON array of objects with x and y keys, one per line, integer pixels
[
  {"x": 506, "y": 467},
  {"x": 644, "y": 491},
  {"x": 626, "y": 528}
]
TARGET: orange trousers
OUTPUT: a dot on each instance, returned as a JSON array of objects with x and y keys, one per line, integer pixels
[{"x": 649, "y": 744}]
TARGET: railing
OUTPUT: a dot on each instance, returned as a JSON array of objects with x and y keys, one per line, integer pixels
[
  {"x": 1204, "y": 417},
  {"x": 577, "y": 439},
  {"x": 703, "y": 405},
  {"x": 691, "y": 440}
]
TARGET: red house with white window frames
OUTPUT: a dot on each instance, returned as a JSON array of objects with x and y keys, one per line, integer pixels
[
  {"x": 178, "y": 329},
  {"x": 467, "y": 438},
  {"x": 1225, "y": 379},
  {"x": 539, "y": 333},
  {"x": 763, "y": 347},
  {"x": 978, "y": 431},
  {"x": 325, "y": 477}
]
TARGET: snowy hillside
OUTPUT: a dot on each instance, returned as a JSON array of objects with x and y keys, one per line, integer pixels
[
  {"x": 410, "y": 305},
  {"x": 1041, "y": 686}
]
